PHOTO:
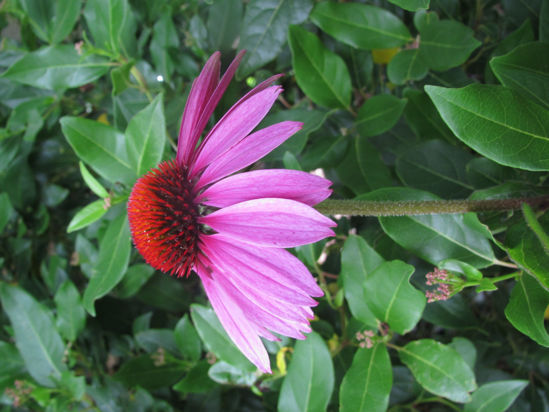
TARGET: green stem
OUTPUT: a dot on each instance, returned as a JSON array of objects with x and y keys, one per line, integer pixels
[
  {"x": 424, "y": 207},
  {"x": 533, "y": 224}
]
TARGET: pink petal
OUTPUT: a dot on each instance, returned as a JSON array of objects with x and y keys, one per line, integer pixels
[
  {"x": 237, "y": 123},
  {"x": 284, "y": 184},
  {"x": 248, "y": 151},
  {"x": 279, "y": 265},
  {"x": 270, "y": 222},
  {"x": 243, "y": 270},
  {"x": 242, "y": 332},
  {"x": 214, "y": 100},
  {"x": 201, "y": 90},
  {"x": 255, "y": 313}
]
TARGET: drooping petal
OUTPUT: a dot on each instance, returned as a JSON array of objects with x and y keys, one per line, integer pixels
[
  {"x": 243, "y": 333},
  {"x": 279, "y": 265},
  {"x": 235, "y": 126},
  {"x": 248, "y": 151},
  {"x": 284, "y": 184},
  {"x": 201, "y": 90},
  {"x": 243, "y": 269},
  {"x": 271, "y": 222}
]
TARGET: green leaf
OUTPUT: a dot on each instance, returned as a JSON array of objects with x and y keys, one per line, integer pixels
[
  {"x": 391, "y": 297},
  {"x": 321, "y": 74},
  {"x": 114, "y": 256},
  {"x": 71, "y": 316},
  {"x": 544, "y": 21},
  {"x": 495, "y": 396},
  {"x": 309, "y": 383},
  {"x": 92, "y": 182},
  {"x": 216, "y": 339},
  {"x": 187, "y": 339},
  {"x": 497, "y": 122},
  {"x": 437, "y": 167},
  {"x": 412, "y": 5},
  {"x": 526, "y": 70},
  {"x": 373, "y": 170},
  {"x": 56, "y": 67},
  {"x": 13, "y": 366},
  {"x": 423, "y": 117},
  {"x": 100, "y": 146},
  {"x": 466, "y": 349},
  {"x": 150, "y": 373},
  {"x": 112, "y": 25},
  {"x": 367, "y": 384},
  {"x": 526, "y": 309},
  {"x": 223, "y": 24},
  {"x": 467, "y": 271},
  {"x": 327, "y": 152},
  {"x": 52, "y": 21},
  {"x": 264, "y": 30},
  {"x": 379, "y": 114},
  {"x": 87, "y": 215},
  {"x": 439, "y": 369},
  {"x": 406, "y": 66},
  {"x": 151, "y": 340},
  {"x": 525, "y": 249},
  {"x": 361, "y": 26},
  {"x": 358, "y": 261},
  {"x": 146, "y": 137},
  {"x": 446, "y": 43},
  {"x": 136, "y": 276},
  {"x": 225, "y": 374},
  {"x": 35, "y": 335},
  {"x": 164, "y": 42},
  {"x": 6, "y": 210},
  {"x": 454, "y": 313},
  {"x": 436, "y": 237},
  {"x": 196, "y": 380}
]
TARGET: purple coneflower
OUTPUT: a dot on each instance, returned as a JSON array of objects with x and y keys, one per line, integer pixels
[{"x": 193, "y": 213}]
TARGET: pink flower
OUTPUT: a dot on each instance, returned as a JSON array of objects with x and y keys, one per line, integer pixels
[{"x": 193, "y": 213}]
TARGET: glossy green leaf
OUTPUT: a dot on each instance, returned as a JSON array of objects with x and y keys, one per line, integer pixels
[
  {"x": 216, "y": 339},
  {"x": 146, "y": 137},
  {"x": 439, "y": 369},
  {"x": 196, "y": 380},
  {"x": 495, "y": 396},
  {"x": 100, "y": 146},
  {"x": 406, "y": 66},
  {"x": 526, "y": 250},
  {"x": 466, "y": 349},
  {"x": 92, "y": 182},
  {"x": 379, "y": 114},
  {"x": 264, "y": 30},
  {"x": 56, "y": 67},
  {"x": 461, "y": 268},
  {"x": 321, "y": 74},
  {"x": 112, "y": 25},
  {"x": 446, "y": 43},
  {"x": 526, "y": 309},
  {"x": 150, "y": 373},
  {"x": 309, "y": 382},
  {"x": 224, "y": 21},
  {"x": 526, "y": 70},
  {"x": 497, "y": 122},
  {"x": 391, "y": 297},
  {"x": 367, "y": 383},
  {"x": 437, "y": 167},
  {"x": 373, "y": 170},
  {"x": 358, "y": 261},
  {"x": 544, "y": 21},
  {"x": 412, "y": 5},
  {"x": 187, "y": 339},
  {"x": 360, "y": 25},
  {"x": 454, "y": 313},
  {"x": 225, "y": 374},
  {"x": 327, "y": 151},
  {"x": 71, "y": 316},
  {"x": 35, "y": 335},
  {"x": 52, "y": 21},
  {"x": 436, "y": 237},
  {"x": 87, "y": 215},
  {"x": 114, "y": 256}
]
